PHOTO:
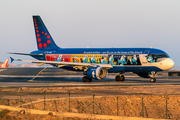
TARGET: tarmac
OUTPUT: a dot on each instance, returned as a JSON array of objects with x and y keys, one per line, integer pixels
[{"x": 56, "y": 77}]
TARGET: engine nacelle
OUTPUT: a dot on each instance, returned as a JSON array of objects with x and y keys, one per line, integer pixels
[{"x": 97, "y": 73}]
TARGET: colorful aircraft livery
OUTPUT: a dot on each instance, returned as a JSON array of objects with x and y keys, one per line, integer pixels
[
  {"x": 96, "y": 63},
  {"x": 5, "y": 63}
]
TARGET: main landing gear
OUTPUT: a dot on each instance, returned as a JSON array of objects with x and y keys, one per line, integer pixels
[
  {"x": 120, "y": 77},
  {"x": 87, "y": 79},
  {"x": 152, "y": 76}
]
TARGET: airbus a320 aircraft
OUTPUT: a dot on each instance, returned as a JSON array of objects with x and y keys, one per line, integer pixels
[
  {"x": 5, "y": 63},
  {"x": 96, "y": 63}
]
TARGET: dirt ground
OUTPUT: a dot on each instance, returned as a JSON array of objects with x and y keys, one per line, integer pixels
[
  {"x": 134, "y": 101},
  {"x": 13, "y": 115}
]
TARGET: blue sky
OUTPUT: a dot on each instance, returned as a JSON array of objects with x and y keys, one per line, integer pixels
[{"x": 93, "y": 23}]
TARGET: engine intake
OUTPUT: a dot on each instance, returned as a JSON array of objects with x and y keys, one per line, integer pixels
[{"x": 97, "y": 73}]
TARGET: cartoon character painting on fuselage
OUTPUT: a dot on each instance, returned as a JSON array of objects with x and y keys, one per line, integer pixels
[{"x": 114, "y": 59}]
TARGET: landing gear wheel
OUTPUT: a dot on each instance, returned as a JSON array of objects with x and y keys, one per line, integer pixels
[
  {"x": 153, "y": 79},
  {"x": 120, "y": 78},
  {"x": 87, "y": 79}
]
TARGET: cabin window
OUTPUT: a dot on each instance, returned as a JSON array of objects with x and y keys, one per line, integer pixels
[
  {"x": 156, "y": 57},
  {"x": 124, "y": 59}
]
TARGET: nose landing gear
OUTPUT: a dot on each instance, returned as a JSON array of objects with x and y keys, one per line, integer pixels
[
  {"x": 152, "y": 76},
  {"x": 153, "y": 79}
]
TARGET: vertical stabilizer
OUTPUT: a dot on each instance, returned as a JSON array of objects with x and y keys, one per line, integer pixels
[
  {"x": 43, "y": 38},
  {"x": 5, "y": 64}
]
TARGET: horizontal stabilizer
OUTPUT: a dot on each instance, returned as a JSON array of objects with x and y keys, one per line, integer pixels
[
  {"x": 11, "y": 59},
  {"x": 26, "y": 54}
]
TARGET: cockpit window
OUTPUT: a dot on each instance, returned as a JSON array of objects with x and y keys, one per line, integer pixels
[{"x": 156, "y": 57}]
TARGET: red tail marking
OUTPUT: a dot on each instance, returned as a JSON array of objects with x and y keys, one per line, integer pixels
[
  {"x": 42, "y": 32},
  {"x": 48, "y": 41},
  {"x": 45, "y": 33},
  {"x": 39, "y": 39},
  {"x": 45, "y": 45},
  {"x": 37, "y": 31},
  {"x": 40, "y": 45},
  {"x": 48, "y": 37},
  {"x": 38, "y": 35},
  {"x": 36, "y": 27}
]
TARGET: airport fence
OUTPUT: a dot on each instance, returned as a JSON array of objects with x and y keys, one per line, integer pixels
[{"x": 162, "y": 107}]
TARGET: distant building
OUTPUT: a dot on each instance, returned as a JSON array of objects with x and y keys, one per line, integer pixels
[{"x": 174, "y": 73}]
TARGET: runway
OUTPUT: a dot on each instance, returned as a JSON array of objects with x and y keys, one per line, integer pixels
[{"x": 55, "y": 77}]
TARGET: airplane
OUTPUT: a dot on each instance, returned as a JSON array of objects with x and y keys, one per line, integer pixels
[
  {"x": 5, "y": 63},
  {"x": 96, "y": 63}
]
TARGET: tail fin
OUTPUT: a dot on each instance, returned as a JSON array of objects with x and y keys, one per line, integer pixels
[
  {"x": 5, "y": 64},
  {"x": 43, "y": 37}
]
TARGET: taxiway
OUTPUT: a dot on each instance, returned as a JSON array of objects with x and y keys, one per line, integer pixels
[{"x": 54, "y": 77}]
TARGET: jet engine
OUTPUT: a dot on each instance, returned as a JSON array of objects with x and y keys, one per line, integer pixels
[{"x": 97, "y": 73}]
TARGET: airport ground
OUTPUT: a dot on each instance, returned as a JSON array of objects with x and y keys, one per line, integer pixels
[{"x": 58, "y": 86}]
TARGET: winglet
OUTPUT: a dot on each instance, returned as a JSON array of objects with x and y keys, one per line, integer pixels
[{"x": 11, "y": 59}]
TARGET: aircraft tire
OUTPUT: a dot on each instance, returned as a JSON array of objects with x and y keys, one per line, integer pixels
[
  {"x": 87, "y": 79},
  {"x": 120, "y": 78},
  {"x": 153, "y": 79}
]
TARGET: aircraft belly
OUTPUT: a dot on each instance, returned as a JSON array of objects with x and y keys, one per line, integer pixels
[{"x": 133, "y": 69}]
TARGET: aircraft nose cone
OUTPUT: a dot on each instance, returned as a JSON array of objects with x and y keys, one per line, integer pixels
[{"x": 169, "y": 63}]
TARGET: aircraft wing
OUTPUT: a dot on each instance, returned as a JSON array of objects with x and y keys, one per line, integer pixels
[{"x": 59, "y": 64}]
